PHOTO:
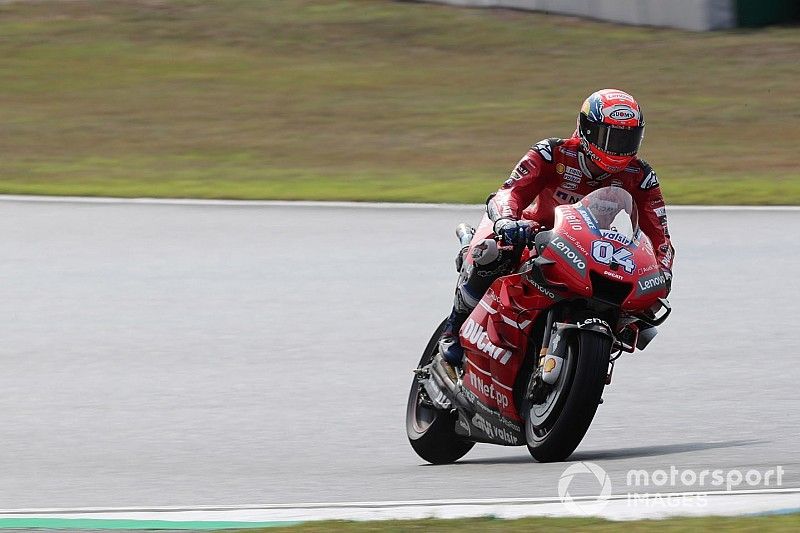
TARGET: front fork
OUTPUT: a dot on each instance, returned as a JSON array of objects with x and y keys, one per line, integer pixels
[{"x": 553, "y": 352}]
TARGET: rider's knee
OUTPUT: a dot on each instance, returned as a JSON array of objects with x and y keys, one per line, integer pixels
[{"x": 485, "y": 252}]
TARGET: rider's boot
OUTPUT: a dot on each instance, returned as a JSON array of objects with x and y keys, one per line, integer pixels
[
  {"x": 450, "y": 345},
  {"x": 474, "y": 278}
]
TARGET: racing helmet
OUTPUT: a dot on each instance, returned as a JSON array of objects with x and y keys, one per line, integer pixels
[{"x": 611, "y": 128}]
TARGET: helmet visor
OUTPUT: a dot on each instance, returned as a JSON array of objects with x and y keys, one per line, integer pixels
[{"x": 614, "y": 140}]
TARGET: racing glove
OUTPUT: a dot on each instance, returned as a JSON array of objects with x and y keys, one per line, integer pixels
[{"x": 515, "y": 231}]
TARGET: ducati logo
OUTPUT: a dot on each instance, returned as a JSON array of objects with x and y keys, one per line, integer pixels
[{"x": 474, "y": 335}]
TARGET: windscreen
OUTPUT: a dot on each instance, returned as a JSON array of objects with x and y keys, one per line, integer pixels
[{"x": 614, "y": 211}]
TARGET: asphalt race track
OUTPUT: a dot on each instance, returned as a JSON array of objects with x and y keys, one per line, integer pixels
[{"x": 159, "y": 355}]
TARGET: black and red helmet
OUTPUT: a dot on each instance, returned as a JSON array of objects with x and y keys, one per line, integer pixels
[{"x": 611, "y": 128}]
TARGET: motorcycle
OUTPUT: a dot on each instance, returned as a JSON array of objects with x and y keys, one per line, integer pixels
[{"x": 540, "y": 347}]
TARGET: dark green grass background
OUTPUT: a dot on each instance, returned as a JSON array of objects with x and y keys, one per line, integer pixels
[{"x": 372, "y": 99}]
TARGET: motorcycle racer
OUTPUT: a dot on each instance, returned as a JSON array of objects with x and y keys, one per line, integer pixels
[{"x": 601, "y": 152}]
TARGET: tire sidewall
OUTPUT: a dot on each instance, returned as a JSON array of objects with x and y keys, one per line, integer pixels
[{"x": 590, "y": 351}]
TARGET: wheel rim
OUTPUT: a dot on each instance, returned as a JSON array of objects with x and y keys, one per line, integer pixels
[{"x": 542, "y": 417}]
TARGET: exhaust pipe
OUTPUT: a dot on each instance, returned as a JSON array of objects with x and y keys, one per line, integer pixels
[{"x": 464, "y": 232}]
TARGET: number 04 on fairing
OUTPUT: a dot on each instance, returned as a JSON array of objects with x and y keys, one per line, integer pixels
[{"x": 541, "y": 345}]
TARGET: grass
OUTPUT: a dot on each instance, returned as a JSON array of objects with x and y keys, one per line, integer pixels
[
  {"x": 371, "y": 99},
  {"x": 761, "y": 524}
]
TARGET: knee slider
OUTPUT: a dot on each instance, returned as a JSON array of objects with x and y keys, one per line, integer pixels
[{"x": 485, "y": 252}]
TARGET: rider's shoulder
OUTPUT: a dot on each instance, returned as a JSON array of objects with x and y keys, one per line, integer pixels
[
  {"x": 545, "y": 147},
  {"x": 639, "y": 165},
  {"x": 643, "y": 172}
]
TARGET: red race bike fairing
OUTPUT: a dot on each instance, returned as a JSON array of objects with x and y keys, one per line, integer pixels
[{"x": 538, "y": 345}]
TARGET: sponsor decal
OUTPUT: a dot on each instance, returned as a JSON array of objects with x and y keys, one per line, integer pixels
[
  {"x": 616, "y": 236},
  {"x": 661, "y": 213},
  {"x": 572, "y": 171},
  {"x": 517, "y": 174},
  {"x": 606, "y": 207},
  {"x": 589, "y": 321},
  {"x": 621, "y": 112},
  {"x": 474, "y": 335},
  {"x": 577, "y": 244},
  {"x": 572, "y": 256},
  {"x": 587, "y": 217},
  {"x": 573, "y": 221},
  {"x": 544, "y": 290},
  {"x": 650, "y": 283},
  {"x": 650, "y": 181},
  {"x": 667, "y": 251},
  {"x": 472, "y": 397},
  {"x": 560, "y": 168},
  {"x": 612, "y": 274},
  {"x": 606, "y": 254},
  {"x": 489, "y": 390},
  {"x": 568, "y": 185},
  {"x": 508, "y": 423},
  {"x": 492, "y": 432},
  {"x": 573, "y": 179},
  {"x": 491, "y": 295},
  {"x": 645, "y": 270},
  {"x": 620, "y": 96},
  {"x": 616, "y": 183},
  {"x": 465, "y": 426},
  {"x": 566, "y": 197},
  {"x": 502, "y": 267}
]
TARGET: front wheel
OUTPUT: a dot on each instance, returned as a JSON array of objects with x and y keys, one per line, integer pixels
[
  {"x": 555, "y": 427},
  {"x": 431, "y": 432}
]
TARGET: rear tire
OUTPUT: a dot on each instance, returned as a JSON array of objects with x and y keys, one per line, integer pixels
[
  {"x": 431, "y": 432},
  {"x": 588, "y": 358}
]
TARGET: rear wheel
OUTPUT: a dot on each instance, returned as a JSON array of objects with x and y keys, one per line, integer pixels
[
  {"x": 555, "y": 427},
  {"x": 431, "y": 432}
]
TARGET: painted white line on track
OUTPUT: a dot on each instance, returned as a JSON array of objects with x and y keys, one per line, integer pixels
[
  {"x": 616, "y": 507},
  {"x": 309, "y": 203},
  {"x": 229, "y": 203}
]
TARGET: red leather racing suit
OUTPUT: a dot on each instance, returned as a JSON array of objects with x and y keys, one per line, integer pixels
[{"x": 554, "y": 172}]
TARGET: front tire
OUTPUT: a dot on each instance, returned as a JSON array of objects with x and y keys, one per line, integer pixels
[
  {"x": 573, "y": 410},
  {"x": 431, "y": 432}
]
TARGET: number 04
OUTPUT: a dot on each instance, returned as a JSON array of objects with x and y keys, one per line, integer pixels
[{"x": 604, "y": 252}]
